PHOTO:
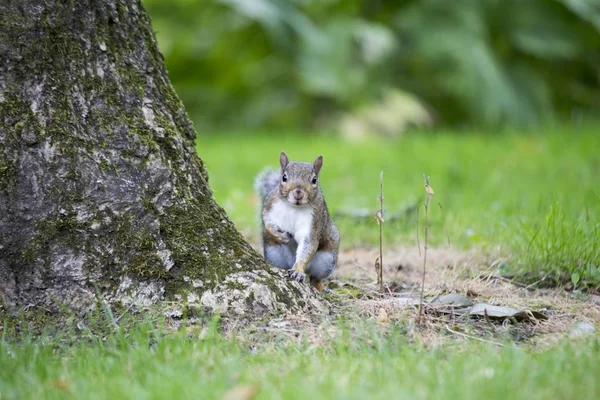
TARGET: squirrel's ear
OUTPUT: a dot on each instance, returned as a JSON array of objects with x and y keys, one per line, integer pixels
[
  {"x": 283, "y": 160},
  {"x": 318, "y": 164}
]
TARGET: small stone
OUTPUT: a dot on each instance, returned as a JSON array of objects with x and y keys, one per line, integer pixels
[
  {"x": 192, "y": 298},
  {"x": 382, "y": 317},
  {"x": 29, "y": 137},
  {"x": 102, "y": 46},
  {"x": 173, "y": 314},
  {"x": 581, "y": 329},
  {"x": 167, "y": 259}
]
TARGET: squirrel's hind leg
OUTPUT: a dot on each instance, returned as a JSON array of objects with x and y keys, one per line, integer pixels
[
  {"x": 317, "y": 284},
  {"x": 280, "y": 255},
  {"x": 320, "y": 286},
  {"x": 321, "y": 267}
]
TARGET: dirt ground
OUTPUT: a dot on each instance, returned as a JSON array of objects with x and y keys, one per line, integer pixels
[
  {"x": 560, "y": 313},
  {"x": 472, "y": 275}
]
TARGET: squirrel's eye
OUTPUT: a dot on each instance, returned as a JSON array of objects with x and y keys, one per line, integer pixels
[
  {"x": 314, "y": 180},
  {"x": 284, "y": 178}
]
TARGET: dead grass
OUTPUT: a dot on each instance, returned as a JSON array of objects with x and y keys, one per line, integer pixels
[
  {"x": 449, "y": 271},
  {"x": 467, "y": 273}
]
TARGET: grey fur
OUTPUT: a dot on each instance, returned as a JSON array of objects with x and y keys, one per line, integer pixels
[
  {"x": 317, "y": 254},
  {"x": 284, "y": 256},
  {"x": 322, "y": 265},
  {"x": 266, "y": 182}
]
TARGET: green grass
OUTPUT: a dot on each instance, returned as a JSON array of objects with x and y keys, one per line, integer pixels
[
  {"x": 532, "y": 196},
  {"x": 147, "y": 364}
]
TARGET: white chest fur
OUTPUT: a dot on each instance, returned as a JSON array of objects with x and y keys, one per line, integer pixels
[{"x": 292, "y": 219}]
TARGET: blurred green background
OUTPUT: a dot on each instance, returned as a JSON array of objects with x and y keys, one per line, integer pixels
[
  {"x": 501, "y": 99},
  {"x": 353, "y": 66}
]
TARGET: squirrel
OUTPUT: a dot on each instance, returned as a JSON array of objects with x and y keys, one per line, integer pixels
[{"x": 298, "y": 233}]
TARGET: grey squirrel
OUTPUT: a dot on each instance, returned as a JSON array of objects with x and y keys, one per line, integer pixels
[{"x": 298, "y": 233}]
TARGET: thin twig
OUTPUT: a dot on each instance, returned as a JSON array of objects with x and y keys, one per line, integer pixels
[
  {"x": 531, "y": 286},
  {"x": 473, "y": 337},
  {"x": 418, "y": 240},
  {"x": 278, "y": 329},
  {"x": 380, "y": 219},
  {"x": 124, "y": 312},
  {"x": 512, "y": 281}
]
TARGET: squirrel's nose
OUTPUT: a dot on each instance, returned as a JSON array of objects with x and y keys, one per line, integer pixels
[{"x": 298, "y": 194}]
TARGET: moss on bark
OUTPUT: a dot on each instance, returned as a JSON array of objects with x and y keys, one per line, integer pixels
[{"x": 99, "y": 179}]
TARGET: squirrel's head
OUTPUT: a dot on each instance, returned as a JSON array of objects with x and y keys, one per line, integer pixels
[{"x": 299, "y": 182}]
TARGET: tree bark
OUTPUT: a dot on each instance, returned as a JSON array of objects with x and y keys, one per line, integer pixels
[{"x": 101, "y": 191}]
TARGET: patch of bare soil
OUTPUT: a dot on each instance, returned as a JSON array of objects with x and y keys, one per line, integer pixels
[
  {"x": 455, "y": 272},
  {"x": 470, "y": 274}
]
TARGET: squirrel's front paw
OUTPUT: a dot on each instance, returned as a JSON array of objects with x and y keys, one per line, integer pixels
[
  {"x": 297, "y": 275},
  {"x": 283, "y": 237}
]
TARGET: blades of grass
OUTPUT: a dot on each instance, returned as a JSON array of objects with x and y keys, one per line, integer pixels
[
  {"x": 445, "y": 225},
  {"x": 418, "y": 240}
]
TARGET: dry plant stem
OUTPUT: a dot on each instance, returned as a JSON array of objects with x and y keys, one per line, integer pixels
[
  {"x": 424, "y": 261},
  {"x": 445, "y": 224},
  {"x": 380, "y": 271},
  {"x": 429, "y": 194},
  {"x": 418, "y": 240},
  {"x": 124, "y": 312}
]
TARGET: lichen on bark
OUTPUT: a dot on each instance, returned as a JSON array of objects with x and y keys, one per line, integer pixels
[{"x": 101, "y": 190}]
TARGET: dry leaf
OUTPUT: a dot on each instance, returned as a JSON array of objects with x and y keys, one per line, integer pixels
[
  {"x": 60, "y": 383},
  {"x": 500, "y": 312},
  {"x": 429, "y": 190},
  {"x": 379, "y": 217},
  {"x": 242, "y": 392},
  {"x": 382, "y": 317},
  {"x": 453, "y": 299}
]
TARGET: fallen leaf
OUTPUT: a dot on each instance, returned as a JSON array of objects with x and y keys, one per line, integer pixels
[
  {"x": 242, "y": 392},
  {"x": 382, "y": 317},
  {"x": 60, "y": 383},
  {"x": 453, "y": 299},
  {"x": 482, "y": 309},
  {"x": 500, "y": 312},
  {"x": 581, "y": 329}
]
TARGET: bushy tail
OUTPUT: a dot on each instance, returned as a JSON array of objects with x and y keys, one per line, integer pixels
[{"x": 265, "y": 182}]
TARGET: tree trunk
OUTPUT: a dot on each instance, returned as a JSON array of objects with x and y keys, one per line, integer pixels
[{"x": 101, "y": 190}]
